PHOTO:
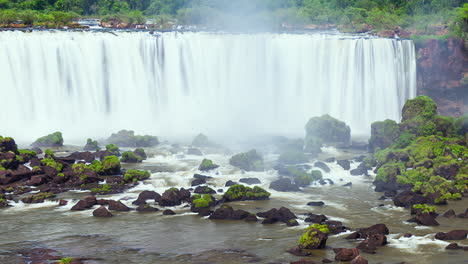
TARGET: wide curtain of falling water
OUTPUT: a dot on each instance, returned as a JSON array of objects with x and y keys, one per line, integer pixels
[{"x": 89, "y": 83}]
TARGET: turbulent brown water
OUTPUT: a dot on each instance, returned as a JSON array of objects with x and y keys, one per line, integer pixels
[{"x": 132, "y": 237}]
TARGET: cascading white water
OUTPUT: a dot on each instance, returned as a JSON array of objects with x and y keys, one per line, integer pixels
[{"x": 91, "y": 84}]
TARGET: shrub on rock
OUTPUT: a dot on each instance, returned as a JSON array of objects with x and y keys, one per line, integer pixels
[
  {"x": 383, "y": 134},
  {"x": 113, "y": 149},
  {"x": 249, "y": 161},
  {"x": 8, "y": 144},
  {"x": 51, "y": 140},
  {"x": 111, "y": 165},
  {"x": 328, "y": 130},
  {"x": 127, "y": 138},
  {"x": 91, "y": 145},
  {"x": 240, "y": 192},
  {"x": 146, "y": 141},
  {"x": 293, "y": 157},
  {"x": 207, "y": 165},
  {"x": 136, "y": 175},
  {"x": 130, "y": 157},
  {"x": 140, "y": 152},
  {"x": 315, "y": 237}
]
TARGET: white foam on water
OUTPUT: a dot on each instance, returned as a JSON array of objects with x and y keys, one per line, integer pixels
[
  {"x": 411, "y": 244},
  {"x": 20, "y": 206}
]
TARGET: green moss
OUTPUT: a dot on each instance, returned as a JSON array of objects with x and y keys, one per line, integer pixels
[
  {"x": 383, "y": 134},
  {"x": 49, "y": 154},
  {"x": 91, "y": 145},
  {"x": 113, "y": 149},
  {"x": 8, "y": 144},
  {"x": 136, "y": 175},
  {"x": 328, "y": 130},
  {"x": 207, "y": 165},
  {"x": 196, "y": 196},
  {"x": 111, "y": 165},
  {"x": 52, "y": 163},
  {"x": 29, "y": 154},
  {"x": 424, "y": 208},
  {"x": 249, "y": 161},
  {"x": 65, "y": 260},
  {"x": 51, "y": 140},
  {"x": 389, "y": 171},
  {"x": 200, "y": 203},
  {"x": 310, "y": 239},
  {"x": 146, "y": 141},
  {"x": 96, "y": 166},
  {"x": 404, "y": 140},
  {"x": 130, "y": 157},
  {"x": 241, "y": 192},
  {"x": 293, "y": 157},
  {"x": 102, "y": 189},
  {"x": 461, "y": 125},
  {"x": 140, "y": 152},
  {"x": 421, "y": 106}
]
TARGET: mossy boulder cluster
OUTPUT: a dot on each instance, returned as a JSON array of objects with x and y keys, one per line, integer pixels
[
  {"x": 51, "y": 140},
  {"x": 207, "y": 165},
  {"x": 127, "y": 138},
  {"x": 299, "y": 175},
  {"x": 425, "y": 155},
  {"x": 327, "y": 130},
  {"x": 91, "y": 145},
  {"x": 248, "y": 161},
  {"x": 240, "y": 192},
  {"x": 315, "y": 237},
  {"x": 138, "y": 155}
]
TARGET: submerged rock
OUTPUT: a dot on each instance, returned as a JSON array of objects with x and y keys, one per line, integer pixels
[
  {"x": 230, "y": 183},
  {"x": 345, "y": 254},
  {"x": 146, "y": 208},
  {"x": 319, "y": 203},
  {"x": 168, "y": 212},
  {"x": 250, "y": 181},
  {"x": 102, "y": 212},
  {"x": 322, "y": 165},
  {"x": 452, "y": 235},
  {"x": 345, "y": 164}
]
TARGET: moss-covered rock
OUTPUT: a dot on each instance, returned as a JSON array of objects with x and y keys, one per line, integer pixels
[
  {"x": 249, "y": 161},
  {"x": 420, "y": 107},
  {"x": 113, "y": 149},
  {"x": 52, "y": 163},
  {"x": 146, "y": 141},
  {"x": 127, "y": 138},
  {"x": 91, "y": 145},
  {"x": 130, "y": 157},
  {"x": 102, "y": 189},
  {"x": 8, "y": 144},
  {"x": 383, "y": 134},
  {"x": 136, "y": 175},
  {"x": 461, "y": 125},
  {"x": 38, "y": 198},
  {"x": 207, "y": 165},
  {"x": 111, "y": 165},
  {"x": 202, "y": 140},
  {"x": 293, "y": 157},
  {"x": 51, "y": 140},
  {"x": 328, "y": 130},
  {"x": 315, "y": 237},
  {"x": 140, "y": 152},
  {"x": 240, "y": 192}
]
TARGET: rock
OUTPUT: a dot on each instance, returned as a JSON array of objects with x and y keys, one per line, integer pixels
[
  {"x": 202, "y": 141},
  {"x": 409, "y": 198},
  {"x": 426, "y": 219},
  {"x": 314, "y": 218},
  {"x": 370, "y": 244},
  {"x": 383, "y": 134},
  {"x": 319, "y": 203},
  {"x": 202, "y": 177},
  {"x": 174, "y": 196},
  {"x": 315, "y": 237},
  {"x": 102, "y": 212},
  {"x": 147, "y": 195},
  {"x": 463, "y": 215},
  {"x": 297, "y": 251},
  {"x": 38, "y": 180},
  {"x": 345, "y": 254},
  {"x": 365, "y": 232},
  {"x": 407, "y": 235},
  {"x": 391, "y": 193},
  {"x": 449, "y": 214},
  {"x": 273, "y": 215},
  {"x": 230, "y": 183},
  {"x": 325, "y": 260},
  {"x": 168, "y": 212},
  {"x": 87, "y": 203},
  {"x": 328, "y": 130},
  {"x": 326, "y": 181},
  {"x": 452, "y": 235},
  {"x": 194, "y": 151},
  {"x": 204, "y": 189},
  {"x": 360, "y": 170},
  {"x": 359, "y": 260},
  {"x": 84, "y": 155},
  {"x": 240, "y": 192},
  {"x": 130, "y": 157},
  {"x": 91, "y": 145},
  {"x": 322, "y": 165},
  {"x": 292, "y": 222},
  {"x": 332, "y": 159},
  {"x": 250, "y": 181},
  {"x": 248, "y": 161},
  {"x": 251, "y": 218},
  {"x": 239, "y": 214},
  {"x": 146, "y": 208},
  {"x": 38, "y": 197},
  {"x": 227, "y": 212},
  {"x": 51, "y": 140},
  {"x": 349, "y": 184},
  {"x": 453, "y": 246},
  {"x": 303, "y": 261},
  {"x": 335, "y": 227},
  {"x": 204, "y": 212},
  {"x": 117, "y": 206},
  {"x": 345, "y": 164},
  {"x": 207, "y": 165},
  {"x": 197, "y": 182},
  {"x": 284, "y": 185},
  {"x": 63, "y": 202}
]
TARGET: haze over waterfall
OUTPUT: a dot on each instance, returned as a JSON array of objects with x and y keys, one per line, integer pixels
[{"x": 180, "y": 84}]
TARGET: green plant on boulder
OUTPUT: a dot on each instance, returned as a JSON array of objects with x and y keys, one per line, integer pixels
[
  {"x": 52, "y": 163},
  {"x": 102, "y": 189},
  {"x": 207, "y": 165},
  {"x": 51, "y": 140},
  {"x": 461, "y": 125},
  {"x": 240, "y": 192},
  {"x": 328, "y": 130},
  {"x": 113, "y": 149},
  {"x": 130, "y": 157},
  {"x": 249, "y": 161},
  {"x": 315, "y": 237},
  {"x": 140, "y": 152},
  {"x": 421, "y": 106},
  {"x": 91, "y": 145},
  {"x": 28, "y": 154},
  {"x": 136, "y": 175},
  {"x": 49, "y": 154},
  {"x": 293, "y": 157},
  {"x": 204, "y": 201},
  {"x": 65, "y": 260},
  {"x": 111, "y": 165},
  {"x": 424, "y": 208},
  {"x": 8, "y": 144},
  {"x": 383, "y": 134}
]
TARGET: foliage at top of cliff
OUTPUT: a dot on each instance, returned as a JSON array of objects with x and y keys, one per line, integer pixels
[{"x": 355, "y": 15}]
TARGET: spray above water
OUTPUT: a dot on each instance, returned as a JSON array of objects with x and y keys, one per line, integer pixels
[{"x": 92, "y": 84}]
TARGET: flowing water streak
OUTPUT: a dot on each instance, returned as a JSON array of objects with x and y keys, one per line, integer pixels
[{"x": 90, "y": 83}]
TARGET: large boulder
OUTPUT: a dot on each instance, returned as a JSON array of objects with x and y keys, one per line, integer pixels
[
  {"x": 91, "y": 145},
  {"x": 345, "y": 254},
  {"x": 202, "y": 140},
  {"x": 315, "y": 237},
  {"x": 328, "y": 130},
  {"x": 8, "y": 144},
  {"x": 383, "y": 134},
  {"x": 147, "y": 195},
  {"x": 381, "y": 229},
  {"x": 249, "y": 161},
  {"x": 452, "y": 235},
  {"x": 284, "y": 185},
  {"x": 421, "y": 106},
  {"x": 226, "y": 212},
  {"x": 250, "y": 181},
  {"x": 345, "y": 164},
  {"x": 240, "y": 192},
  {"x": 207, "y": 165},
  {"x": 51, "y": 140},
  {"x": 117, "y": 206},
  {"x": 174, "y": 196},
  {"x": 274, "y": 215},
  {"x": 102, "y": 212},
  {"x": 127, "y": 138}
]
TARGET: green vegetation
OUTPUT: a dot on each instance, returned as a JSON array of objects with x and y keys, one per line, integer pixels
[
  {"x": 111, "y": 165},
  {"x": 130, "y": 157},
  {"x": 113, "y": 149},
  {"x": 249, "y": 161},
  {"x": 8, "y": 144},
  {"x": 65, "y": 260},
  {"x": 102, "y": 189},
  {"x": 51, "y": 140},
  {"x": 29, "y": 154},
  {"x": 91, "y": 145},
  {"x": 207, "y": 165},
  {"x": 52, "y": 163},
  {"x": 204, "y": 201},
  {"x": 293, "y": 157},
  {"x": 146, "y": 140},
  {"x": 241, "y": 192},
  {"x": 424, "y": 208},
  {"x": 383, "y": 134},
  {"x": 311, "y": 239},
  {"x": 326, "y": 129},
  {"x": 136, "y": 175},
  {"x": 127, "y": 138}
]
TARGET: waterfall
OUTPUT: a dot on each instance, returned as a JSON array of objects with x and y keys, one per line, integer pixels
[{"x": 94, "y": 83}]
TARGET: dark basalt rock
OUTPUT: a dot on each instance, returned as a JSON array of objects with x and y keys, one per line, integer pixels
[
  {"x": 326, "y": 181},
  {"x": 426, "y": 219},
  {"x": 359, "y": 260},
  {"x": 315, "y": 218},
  {"x": 227, "y": 212},
  {"x": 345, "y": 164},
  {"x": 463, "y": 215},
  {"x": 449, "y": 214},
  {"x": 251, "y": 218},
  {"x": 322, "y": 165},
  {"x": 204, "y": 189},
  {"x": 87, "y": 203},
  {"x": 146, "y": 208},
  {"x": 292, "y": 222},
  {"x": 345, "y": 254},
  {"x": 230, "y": 183},
  {"x": 360, "y": 170},
  {"x": 63, "y": 202},
  {"x": 117, "y": 206},
  {"x": 349, "y": 184},
  {"x": 147, "y": 195},
  {"x": 203, "y": 177},
  {"x": 319, "y": 203},
  {"x": 168, "y": 212},
  {"x": 453, "y": 246},
  {"x": 204, "y": 212},
  {"x": 409, "y": 198},
  {"x": 303, "y": 261},
  {"x": 85, "y": 155},
  {"x": 174, "y": 196},
  {"x": 284, "y": 185},
  {"x": 370, "y": 244},
  {"x": 102, "y": 212},
  {"x": 194, "y": 151},
  {"x": 365, "y": 232},
  {"x": 197, "y": 182},
  {"x": 274, "y": 215},
  {"x": 452, "y": 235},
  {"x": 250, "y": 181},
  {"x": 332, "y": 159},
  {"x": 407, "y": 235},
  {"x": 335, "y": 227},
  {"x": 298, "y": 251}
]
